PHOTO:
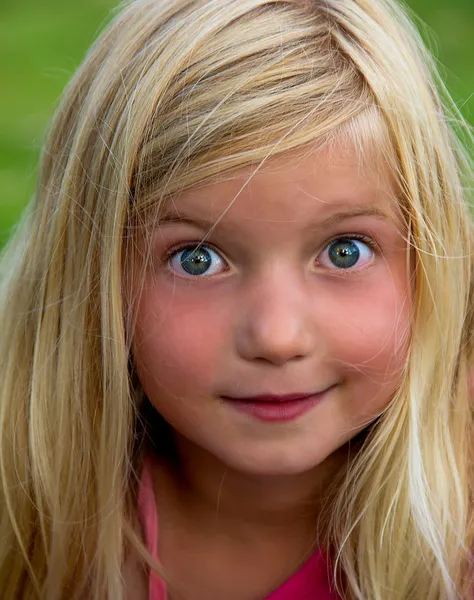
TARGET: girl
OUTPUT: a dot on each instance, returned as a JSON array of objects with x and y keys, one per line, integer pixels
[{"x": 237, "y": 318}]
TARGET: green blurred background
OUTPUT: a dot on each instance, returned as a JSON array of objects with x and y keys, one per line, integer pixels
[{"x": 43, "y": 41}]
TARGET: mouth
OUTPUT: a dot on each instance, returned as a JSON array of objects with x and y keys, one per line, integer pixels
[{"x": 276, "y": 408}]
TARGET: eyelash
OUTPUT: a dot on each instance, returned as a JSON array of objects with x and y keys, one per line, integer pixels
[
  {"x": 354, "y": 236},
  {"x": 368, "y": 241}
]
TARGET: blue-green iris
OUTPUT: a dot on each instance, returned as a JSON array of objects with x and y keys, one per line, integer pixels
[
  {"x": 344, "y": 253},
  {"x": 195, "y": 261}
]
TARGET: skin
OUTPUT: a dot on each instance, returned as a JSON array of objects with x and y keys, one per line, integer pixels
[{"x": 275, "y": 316}]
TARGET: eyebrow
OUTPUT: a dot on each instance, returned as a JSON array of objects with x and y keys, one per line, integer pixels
[
  {"x": 360, "y": 211},
  {"x": 173, "y": 217}
]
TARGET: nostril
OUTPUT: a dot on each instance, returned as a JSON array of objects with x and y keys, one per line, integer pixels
[{"x": 278, "y": 359}]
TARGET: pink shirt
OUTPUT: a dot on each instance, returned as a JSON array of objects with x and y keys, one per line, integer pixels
[{"x": 310, "y": 582}]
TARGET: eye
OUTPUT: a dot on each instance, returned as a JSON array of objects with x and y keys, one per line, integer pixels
[
  {"x": 196, "y": 260},
  {"x": 346, "y": 253}
]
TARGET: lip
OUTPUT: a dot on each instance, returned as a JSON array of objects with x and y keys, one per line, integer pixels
[
  {"x": 276, "y": 408},
  {"x": 275, "y": 397}
]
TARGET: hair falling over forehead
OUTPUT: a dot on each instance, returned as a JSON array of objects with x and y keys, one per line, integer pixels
[{"x": 173, "y": 93}]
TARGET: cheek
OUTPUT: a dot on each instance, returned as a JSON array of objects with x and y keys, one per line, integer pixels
[
  {"x": 177, "y": 344},
  {"x": 372, "y": 333}
]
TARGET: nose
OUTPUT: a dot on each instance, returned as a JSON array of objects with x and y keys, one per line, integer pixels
[{"x": 274, "y": 323}]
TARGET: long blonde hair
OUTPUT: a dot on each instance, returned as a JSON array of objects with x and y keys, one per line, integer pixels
[{"x": 175, "y": 92}]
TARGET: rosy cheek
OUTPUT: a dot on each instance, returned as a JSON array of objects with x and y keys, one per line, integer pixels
[
  {"x": 177, "y": 342},
  {"x": 372, "y": 334}
]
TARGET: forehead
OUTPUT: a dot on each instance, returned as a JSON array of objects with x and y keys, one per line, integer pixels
[{"x": 296, "y": 186}]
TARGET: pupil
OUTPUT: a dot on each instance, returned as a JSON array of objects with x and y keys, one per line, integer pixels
[
  {"x": 195, "y": 261},
  {"x": 344, "y": 253}
]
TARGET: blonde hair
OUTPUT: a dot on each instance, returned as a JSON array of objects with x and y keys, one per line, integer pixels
[{"x": 175, "y": 92}]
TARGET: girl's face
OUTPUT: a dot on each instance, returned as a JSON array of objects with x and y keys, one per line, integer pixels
[{"x": 274, "y": 318}]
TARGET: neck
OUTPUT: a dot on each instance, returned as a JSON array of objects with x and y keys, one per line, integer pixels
[{"x": 214, "y": 494}]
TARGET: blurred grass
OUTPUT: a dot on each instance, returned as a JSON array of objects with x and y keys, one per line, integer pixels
[{"x": 42, "y": 43}]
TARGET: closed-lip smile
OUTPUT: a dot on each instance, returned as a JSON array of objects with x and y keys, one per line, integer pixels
[
  {"x": 276, "y": 407},
  {"x": 273, "y": 397}
]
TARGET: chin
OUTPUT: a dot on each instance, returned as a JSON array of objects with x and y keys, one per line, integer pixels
[{"x": 273, "y": 463}]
